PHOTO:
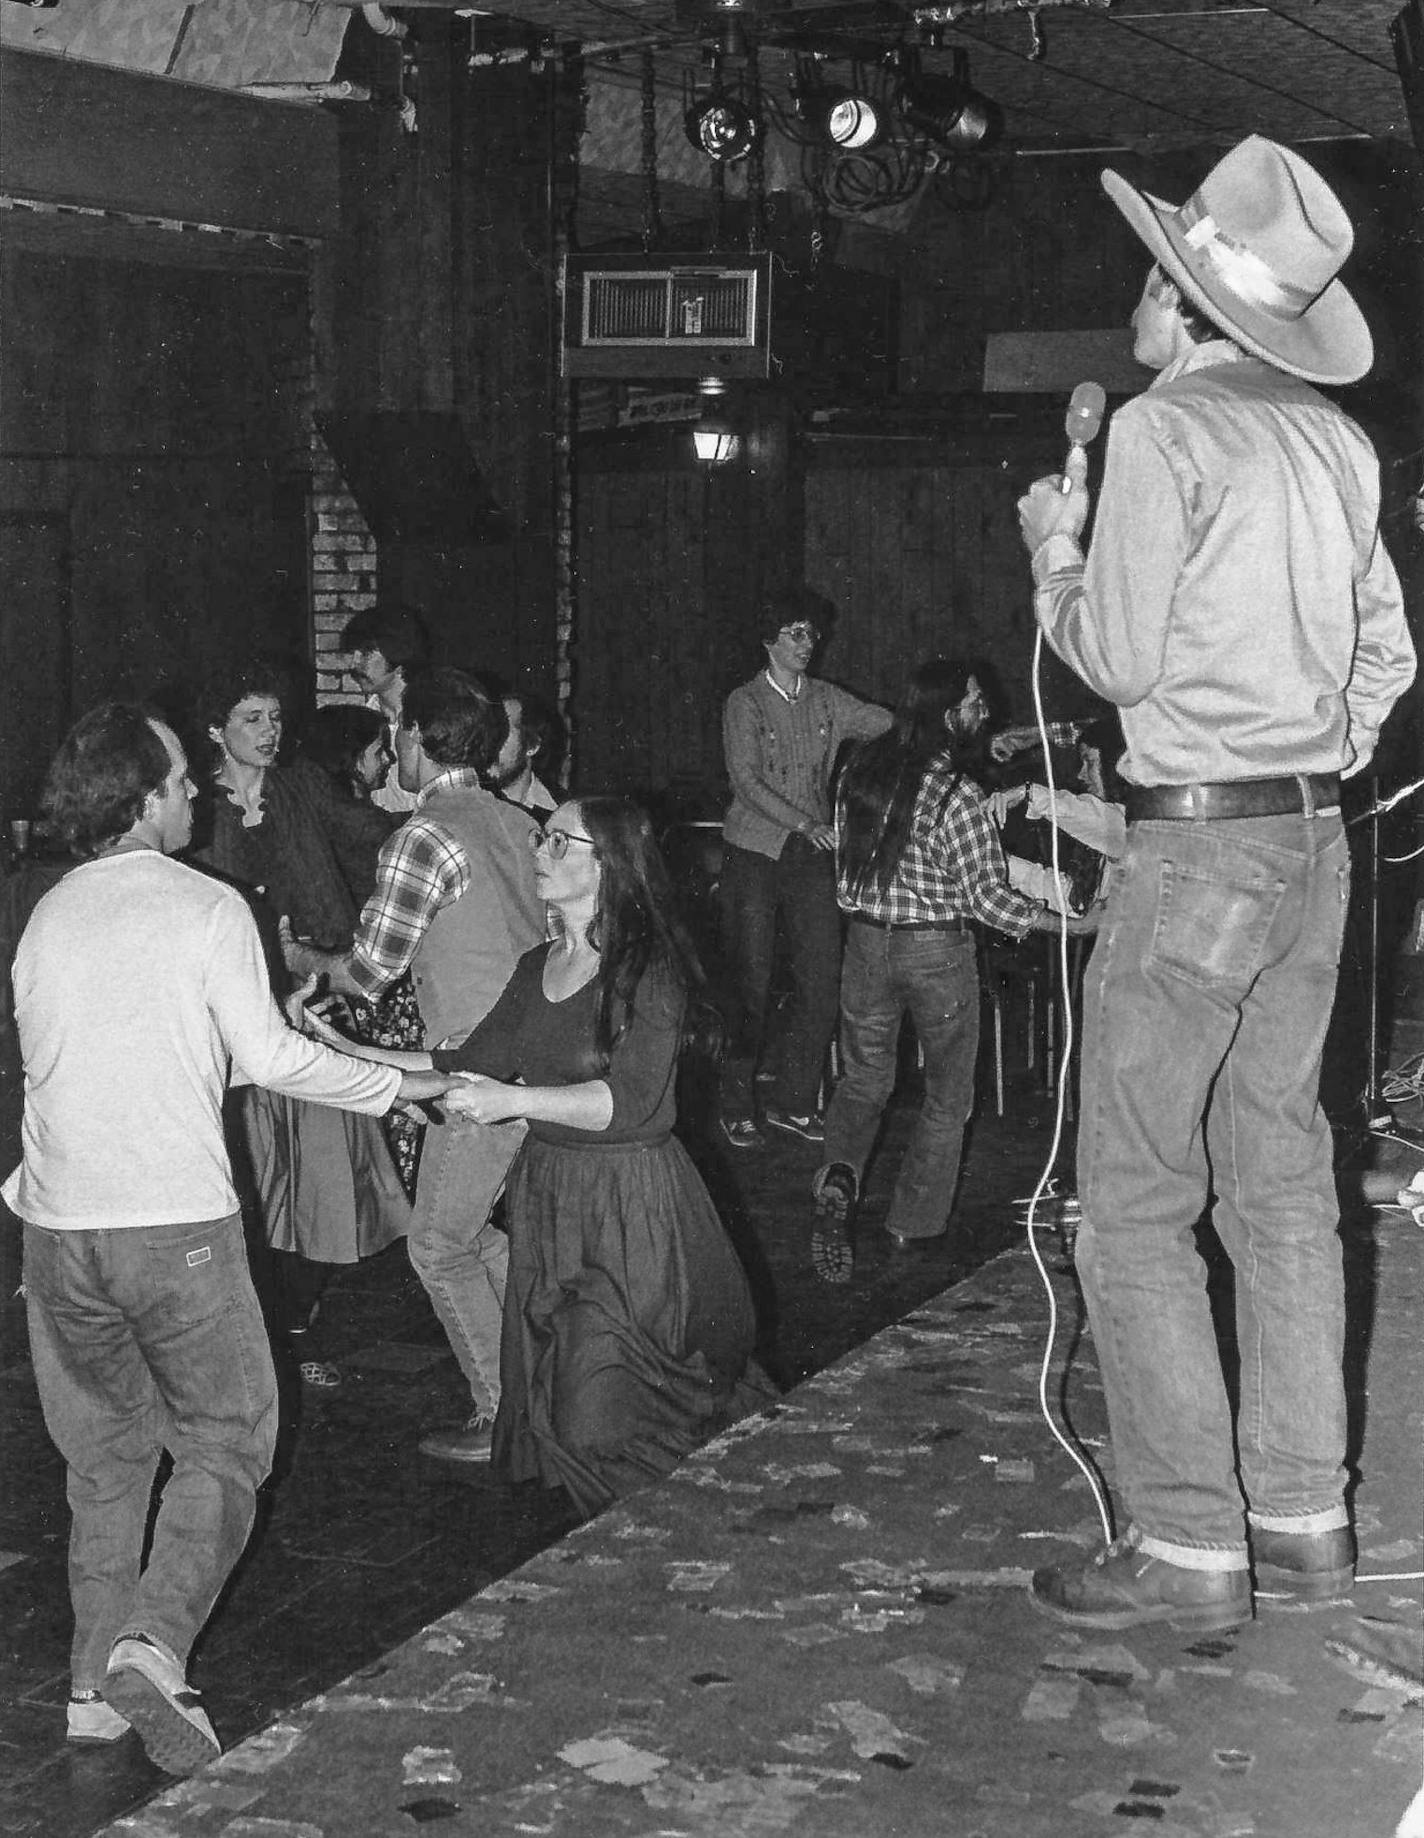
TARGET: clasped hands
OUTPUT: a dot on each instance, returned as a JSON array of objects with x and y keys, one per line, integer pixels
[{"x": 468, "y": 1095}]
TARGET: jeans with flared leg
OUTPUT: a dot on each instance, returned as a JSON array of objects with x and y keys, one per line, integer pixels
[
  {"x": 459, "y": 1256},
  {"x": 796, "y": 890},
  {"x": 933, "y": 978}
]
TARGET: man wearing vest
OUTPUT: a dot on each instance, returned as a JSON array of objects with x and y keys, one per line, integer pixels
[{"x": 454, "y": 904}]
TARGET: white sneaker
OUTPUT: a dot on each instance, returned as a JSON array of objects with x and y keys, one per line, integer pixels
[
  {"x": 145, "y": 1684},
  {"x": 91, "y": 1720}
]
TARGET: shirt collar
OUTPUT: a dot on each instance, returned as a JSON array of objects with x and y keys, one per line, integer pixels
[
  {"x": 791, "y": 701},
  {"x": 1201, "y": 357},
  {"x": 450, "y": 778}
]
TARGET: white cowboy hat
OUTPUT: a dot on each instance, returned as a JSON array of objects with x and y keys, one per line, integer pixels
[{"x": 1256, "y": 248}]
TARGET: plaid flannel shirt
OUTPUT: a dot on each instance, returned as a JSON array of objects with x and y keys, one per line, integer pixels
[
  {"x": 952, "y": 865},
  {"x": 421, "y": 868}
]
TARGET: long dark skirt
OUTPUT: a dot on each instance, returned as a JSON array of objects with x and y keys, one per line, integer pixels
[{"x": 628, "y": 1324}]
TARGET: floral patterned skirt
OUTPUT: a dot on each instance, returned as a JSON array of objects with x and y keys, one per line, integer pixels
[{"x": 394, "y": 1021}]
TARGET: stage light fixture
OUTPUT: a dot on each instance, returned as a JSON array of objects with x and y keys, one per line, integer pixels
[
  {"x": 721, "y": 127},
  {"x": 948, "y": 109},
  {"x": 854, "y": 122},
  {"x": 847, "y": 119}
]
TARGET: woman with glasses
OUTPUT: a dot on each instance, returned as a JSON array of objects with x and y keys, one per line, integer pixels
[{"x": 628, "y": 1324}]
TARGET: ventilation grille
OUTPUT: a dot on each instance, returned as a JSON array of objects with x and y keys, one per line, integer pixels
[
  {"x": 707, "y": 306},
  {"x": 663, "y": 315}
]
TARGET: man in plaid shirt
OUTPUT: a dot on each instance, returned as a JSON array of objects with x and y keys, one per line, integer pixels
[
  {"x": 918, "y": 860},
  {"x": 455, "y": 905}
]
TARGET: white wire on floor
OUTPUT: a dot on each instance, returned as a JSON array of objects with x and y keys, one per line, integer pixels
[{"x": 1063, "y": 1437}]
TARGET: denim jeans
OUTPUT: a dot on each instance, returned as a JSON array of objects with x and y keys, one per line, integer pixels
[
  {"x": 933, "y": 978},
  {"x": 457, "y": 1254},
  {"x": 146, "y": 1339},
  {"x": 1205, "y": 1011},
  {"x": 799, "y": 889}
]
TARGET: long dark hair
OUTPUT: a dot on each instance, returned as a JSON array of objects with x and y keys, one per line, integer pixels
[
  {"x": 336, "y": 736},
  {"x": 636, "y": 928},
  {"x": 882, "y": 779}
]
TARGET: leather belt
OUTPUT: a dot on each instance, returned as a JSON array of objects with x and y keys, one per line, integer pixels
[
  {"x": 1303, "y": 794},
  {"x": 910, "y": 925}
]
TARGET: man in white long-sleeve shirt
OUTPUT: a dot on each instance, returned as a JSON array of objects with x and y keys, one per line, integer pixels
[{"x": 140, "y": 991}]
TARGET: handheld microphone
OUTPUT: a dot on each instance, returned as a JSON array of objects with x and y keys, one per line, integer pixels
[{"x": 1081, "y": 423}]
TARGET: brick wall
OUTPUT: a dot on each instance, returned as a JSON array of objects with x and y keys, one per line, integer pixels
[{"x": 343, "y": 572}]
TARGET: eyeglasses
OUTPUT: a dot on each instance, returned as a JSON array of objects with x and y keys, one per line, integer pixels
[
  {"x": 802, "y": 632},
  {"x": 557, "y": 842}
]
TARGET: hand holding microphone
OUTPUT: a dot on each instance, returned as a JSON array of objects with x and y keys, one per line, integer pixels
[{"x": 1058, "y": 504}]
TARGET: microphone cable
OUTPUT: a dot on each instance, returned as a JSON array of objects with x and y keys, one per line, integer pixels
[{"x": 1066, "y": 1437}]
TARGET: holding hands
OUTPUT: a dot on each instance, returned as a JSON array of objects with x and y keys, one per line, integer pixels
[{"x": 485, "y": 1100}]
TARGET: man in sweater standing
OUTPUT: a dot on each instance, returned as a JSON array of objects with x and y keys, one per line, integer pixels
[
  {"x": 137, "y": 982},
  {"x": 781, "y": 734}
]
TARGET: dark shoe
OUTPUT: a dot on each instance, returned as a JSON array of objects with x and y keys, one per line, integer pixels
[
  {"x": 915, "y": 1241},
  {"x": 471, "y": 1442},
  {"x": 811, "y": 1128},
  {"x": 742, "y": 1133},
  {"x": 1124, "y": 1587},
  {"x": 147, "y": 1687},
  {"x": 832, "y": 1244},
  {"x": 1308, "y": 1566}
]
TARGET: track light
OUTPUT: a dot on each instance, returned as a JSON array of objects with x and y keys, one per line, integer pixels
[
  {"x": 721, "y": 127},
  {"x": 844, "y": 118},
  {"x": 949, "y": 110}
]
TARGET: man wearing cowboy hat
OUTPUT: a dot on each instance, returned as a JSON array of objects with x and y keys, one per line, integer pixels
[{"x": 1238, "y": 607}]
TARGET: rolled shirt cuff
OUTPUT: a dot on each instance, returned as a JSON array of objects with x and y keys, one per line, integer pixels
[{"x": 1056, "y": 554}]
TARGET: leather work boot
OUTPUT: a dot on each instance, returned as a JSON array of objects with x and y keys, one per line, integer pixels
[
  {"x": 832, "y": 1239},
  {"x": 1307, "y": 1566},
  {"x": 1125, "y": 1587}
]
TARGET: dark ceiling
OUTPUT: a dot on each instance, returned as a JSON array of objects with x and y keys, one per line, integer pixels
[{"x": 1084, "y": 73}]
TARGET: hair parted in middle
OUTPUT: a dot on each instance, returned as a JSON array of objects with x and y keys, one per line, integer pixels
[
  {"x": 637, "y": 929},
  {"x": 882, "y": 779}
]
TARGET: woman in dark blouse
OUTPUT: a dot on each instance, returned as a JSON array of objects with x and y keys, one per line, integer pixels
[
  {"x": 323, "y": 1181},
  {"x": 628, "y": 1325}
]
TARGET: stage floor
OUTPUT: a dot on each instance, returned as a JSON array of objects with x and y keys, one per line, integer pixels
[{"x": 818, "y": 1625}]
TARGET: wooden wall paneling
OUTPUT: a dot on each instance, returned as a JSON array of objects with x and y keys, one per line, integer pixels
[
  {"x": 436, "y": 186},
  {"x": 35, "y": 685},
  {"x": 91, "y": 134},
  {"x": 160, "y": 459}
]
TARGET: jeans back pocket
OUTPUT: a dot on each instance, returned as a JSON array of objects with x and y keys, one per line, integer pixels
[{"x": 1211, "y": 927}]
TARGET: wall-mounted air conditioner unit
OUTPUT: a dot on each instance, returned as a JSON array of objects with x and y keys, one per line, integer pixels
[{"x": 665, "y": 315}]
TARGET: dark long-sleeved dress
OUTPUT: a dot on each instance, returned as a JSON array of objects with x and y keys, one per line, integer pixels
[
  {"x": 628, "y": 1324},
  {"x": 323, "y": 1179}
]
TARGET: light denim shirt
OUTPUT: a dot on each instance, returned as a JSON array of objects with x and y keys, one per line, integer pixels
[{"x": 1237, "y": 603}]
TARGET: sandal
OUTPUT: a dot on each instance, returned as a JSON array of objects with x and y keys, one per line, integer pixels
[{"x": 317, "y": 1373}]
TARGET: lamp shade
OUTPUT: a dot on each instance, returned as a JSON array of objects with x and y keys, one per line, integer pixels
[{"x": 714, "y": 442}]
